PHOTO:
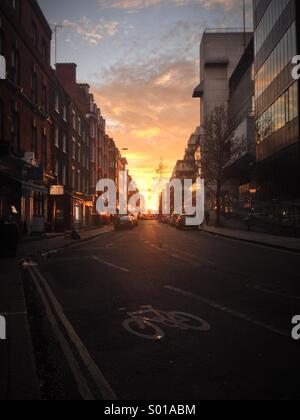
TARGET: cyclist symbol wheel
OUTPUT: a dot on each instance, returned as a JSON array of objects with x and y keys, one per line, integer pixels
[{"x": 144, "y": 329}]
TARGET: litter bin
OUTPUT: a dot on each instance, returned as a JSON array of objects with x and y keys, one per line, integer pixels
[{"x": 9, "y": 238}]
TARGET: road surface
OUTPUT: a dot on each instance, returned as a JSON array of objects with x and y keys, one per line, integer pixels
[{"x": 234, "y": 343}]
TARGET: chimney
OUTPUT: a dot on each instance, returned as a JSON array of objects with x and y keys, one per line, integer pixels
[{"x": 66, "y": 73}]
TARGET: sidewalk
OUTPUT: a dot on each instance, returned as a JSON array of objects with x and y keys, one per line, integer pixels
[
  {"x": 279, "y": 242},
  {"x": 58, "y": 241},
  {"x": 18, "y": 376}
]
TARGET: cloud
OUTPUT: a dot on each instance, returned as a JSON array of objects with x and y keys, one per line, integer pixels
[
  {"x": 91, "y": 32},
  {"x": 156, "y": 116},
  {"x": 142, "y": 4}
]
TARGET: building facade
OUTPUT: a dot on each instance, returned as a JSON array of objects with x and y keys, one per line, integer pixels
[
  {"x": 277, "y": 171},
  {"x": 53, "y": 144},
  {"x": 25, "y": 122},
  {"x": 220, "y": 53},
  {"x": 239, "y": 169}
]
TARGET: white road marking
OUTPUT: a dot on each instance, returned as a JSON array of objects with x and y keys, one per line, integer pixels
[
  {"x": 117, "y": 267},
  {"x": 97, "y": 376},
  {"x": 272, "y": 292},
  {"x": 229, "y": 311},
  {"x": 80, "y": 380}
]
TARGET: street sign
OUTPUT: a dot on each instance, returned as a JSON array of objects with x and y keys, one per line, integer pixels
[{"x": 57, "y": 190}]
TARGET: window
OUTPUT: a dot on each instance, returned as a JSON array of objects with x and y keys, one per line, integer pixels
[
  {"x": 44, "y": 51},
  {"x": 34, "y": 147},
  {"x": 15, "y": 66},
  {"x": 64, "y": 143},
  {"x": 93, "y": 153},
  {"x": 271, "y": 16},
  {"x": 277, "y": 61},
  {"x": 44, "y": 104},
  {"x": 64, "y": 174},
  {"x": 280, "y": 113},
  {"x": 79, "y": 180},
  {"x": 293, "y": 102},
  {"x": 15, "y": 131},
  {"x": 33, "y": 94},
  {"x": 73, "y": 148},
  {"x": 93, "y": 129},
  {"x": 56, "y": 136},
  {"x": 65, "y": 117},
  {"x": 57, "y": 102},
  {"x": 56, "y": 168},
  {"x": 79, "y": 152},
  {"x": 79, "y": 126},
  {"x": 93, "y": 179},
  {"x": 44, "y": 150},
  {"x": 73, "y": 178},
  {"x": 73, "y": 120},
  {"x": 34, "y": 35},
  {"x": 16, "y": 6}
]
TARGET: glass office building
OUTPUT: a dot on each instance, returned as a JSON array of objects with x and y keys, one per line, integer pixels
[{"x": 276, "y": 24}]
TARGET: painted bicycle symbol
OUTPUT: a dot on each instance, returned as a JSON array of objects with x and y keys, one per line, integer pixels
[{"x": 144, "y": 323}]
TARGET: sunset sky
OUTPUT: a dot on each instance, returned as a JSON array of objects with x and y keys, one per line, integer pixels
[{"x": 141, "y": 59}]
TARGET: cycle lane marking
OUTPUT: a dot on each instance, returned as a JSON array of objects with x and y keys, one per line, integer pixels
[
  {"x": 229, "y": 311},
  {"x": 272, "y": 292},
  {"x": 100, "y": 381},
  {"x": 152, "y": 318}
]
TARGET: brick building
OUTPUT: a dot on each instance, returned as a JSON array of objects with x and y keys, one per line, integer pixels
[
  {"x": 103, "y": 152},
  {"x": 53, "y": 144},
  {"x": 25, "y": 124}
]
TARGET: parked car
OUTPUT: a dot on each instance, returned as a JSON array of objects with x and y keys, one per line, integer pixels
[
  {"x": 181, "y": 223},
  {"x": 124, "y": 222}
]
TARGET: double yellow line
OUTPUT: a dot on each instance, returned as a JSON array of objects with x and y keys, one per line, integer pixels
[{"x": 54, "y": 312}]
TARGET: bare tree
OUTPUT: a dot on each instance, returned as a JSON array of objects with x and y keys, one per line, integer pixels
[{"x": 218, "y": 144}]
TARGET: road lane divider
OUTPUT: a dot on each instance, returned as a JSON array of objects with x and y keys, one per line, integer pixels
[
  {"x": 99, "y": 380},
  {"x": 117, "y": 267},
  {"x": 229, "y": 311},
  {"x": 272, "y": 292}
]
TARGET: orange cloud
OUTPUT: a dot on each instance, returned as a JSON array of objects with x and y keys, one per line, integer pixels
[{"x": 151, "y": 114}]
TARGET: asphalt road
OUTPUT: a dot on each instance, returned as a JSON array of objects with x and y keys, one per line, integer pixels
[{"x": 245, "y": 295}]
